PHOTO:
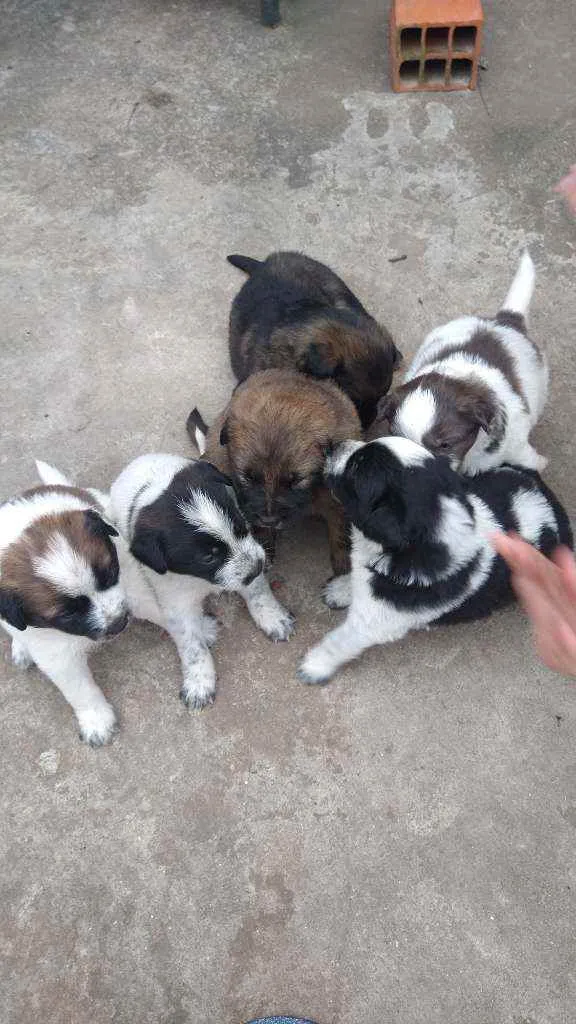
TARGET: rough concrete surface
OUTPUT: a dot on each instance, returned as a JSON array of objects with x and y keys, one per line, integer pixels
[{"x": 399, "y": 846}]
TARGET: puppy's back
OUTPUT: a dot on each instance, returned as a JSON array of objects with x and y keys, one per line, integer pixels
[
  {"x": 280, "y": 407},
  {"x": 285, "y": 290}
]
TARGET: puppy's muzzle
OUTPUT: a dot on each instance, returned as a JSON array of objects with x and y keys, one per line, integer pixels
[{"x": 258, "y": 568}]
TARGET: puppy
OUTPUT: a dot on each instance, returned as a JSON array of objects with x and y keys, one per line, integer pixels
[
  {"x": 294, "y": 313},
  {"x": 187, "y": 538},
  {"x": 420, "y": 548},
  {"x": 60, "y": 591},
  {"x": 271, "y": 440},
  {"x": 476, "y": 388}
]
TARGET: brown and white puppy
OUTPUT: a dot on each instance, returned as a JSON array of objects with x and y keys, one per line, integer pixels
[
  {"x": 475, "y": 388},
  {"x": 272, "y": 440},
  {"x": 294, "y": 313},
  {"x": 60, "y": 591}
]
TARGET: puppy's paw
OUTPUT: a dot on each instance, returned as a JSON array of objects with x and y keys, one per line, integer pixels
[
  {"x": 315, "y": 669},
  {"x": 97, "y": 725},
  {"x": 196, "y": 700},
  {"x": 209, "y": 629},
  {"x": 276, "y": 622},
  {"x": 338, "y": 592},
  {"x": 199, "y": 686},
  {"x": 20, "y": 655}
]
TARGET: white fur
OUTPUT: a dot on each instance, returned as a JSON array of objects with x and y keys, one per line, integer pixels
[
  {"x": 19, "y": 513},
  {"x": 175, "y": 602},
  {"x": 61, "y": 656},
  {"x": 50, "y": 475},
  {"x": 371, "y": 620},
  {"x": 532, "y": 512},
  {"x": 64, "y": 567},
  {"x": 200, "y": 440},
  {"x": 417, "y": 412},
  {"x": 411, "y": 453},
  {"x": 416, "y": 415},
  {"x": 521, "y": 290},
  {"x": 338, "y": 459}
]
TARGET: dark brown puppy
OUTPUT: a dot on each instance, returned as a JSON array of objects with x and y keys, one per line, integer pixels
[
  {"x": 294, "y": 313},
  {"x": 272, "y": 440}
]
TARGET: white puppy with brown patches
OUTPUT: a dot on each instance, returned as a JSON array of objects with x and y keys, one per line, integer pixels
[
  {"x": 60, "y": 591},
  {"x": 187, "y": 539},
  {"x": 476, "y": 388}
]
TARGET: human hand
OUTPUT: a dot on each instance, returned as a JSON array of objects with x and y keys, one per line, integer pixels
[{"x": 546, "y": 588}]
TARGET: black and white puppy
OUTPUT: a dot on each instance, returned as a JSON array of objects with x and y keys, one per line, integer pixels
[
  {"x": 420, "y": 543},
  {"x": 476, "y": 388},
  {"x": 60, "y": 591},
  {"x": 188, "y": 538}
]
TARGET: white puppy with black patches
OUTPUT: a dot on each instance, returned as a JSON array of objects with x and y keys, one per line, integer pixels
[
  {"x": 476, "y": 388},
  {"x": 60, "y": 591},
  {"x": 420, "y": 543},
  {"x": 189, "y": 539}
]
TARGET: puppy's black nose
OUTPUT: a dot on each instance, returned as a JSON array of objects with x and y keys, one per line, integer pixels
[
  {"x": 259, "y": 567},
  {"x": 118, "y": 625}
]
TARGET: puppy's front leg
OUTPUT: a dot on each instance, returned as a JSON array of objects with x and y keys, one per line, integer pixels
[
  {"x": 68, "y": 669},
  {"x": 339, "y": 646},
  {"x": 530, "y": 458},
  {"x": 266, "y": 611},
  {"x": 338, "y": 533},
  {"x": 199, "y": 675}
]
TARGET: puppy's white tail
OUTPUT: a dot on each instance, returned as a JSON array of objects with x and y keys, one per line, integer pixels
[
  {"x": 522, "y": 287},
  {"x": 50, "y": 475}
]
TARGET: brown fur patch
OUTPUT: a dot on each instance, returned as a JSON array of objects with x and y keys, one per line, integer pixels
[
  {"x": 17, "y": 572},
  {"x": 279, "y": 425},
  {"x": 462, "y": 407},
  {"x": 484, "y": 344},
  {"x": 75, "y": 492}
]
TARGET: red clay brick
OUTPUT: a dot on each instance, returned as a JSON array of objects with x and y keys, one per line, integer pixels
[{"x": 435, "y": 44}]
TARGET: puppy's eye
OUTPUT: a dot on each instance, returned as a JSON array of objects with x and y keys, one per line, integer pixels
[
  {"x": 210, "y": 556},
  {"x": 444, "y": 446}
]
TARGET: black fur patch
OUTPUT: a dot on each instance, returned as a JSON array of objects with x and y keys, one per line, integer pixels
[
  {"x": 399, "y": 507},
  {"x": 417, "y": 596},
  {"x": 12, "y": 609},
  {"x": 163, "y": 539}
]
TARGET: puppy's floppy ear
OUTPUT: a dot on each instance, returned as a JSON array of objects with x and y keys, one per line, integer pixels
[
  {"x": 319, "y": 361},
  {"x": 12, "y": 609},
  {"x": 97, "y": 525},
  {"x": 370, "y": 493},
  {"x": 149, "y": 548},
  {"x": 224, "y": 434},
  {"x": 385, "y": 521},
  {"x": 488, "y": 414}
]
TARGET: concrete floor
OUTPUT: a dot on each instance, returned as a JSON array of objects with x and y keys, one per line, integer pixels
[{"x": 399, "y": 846}]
